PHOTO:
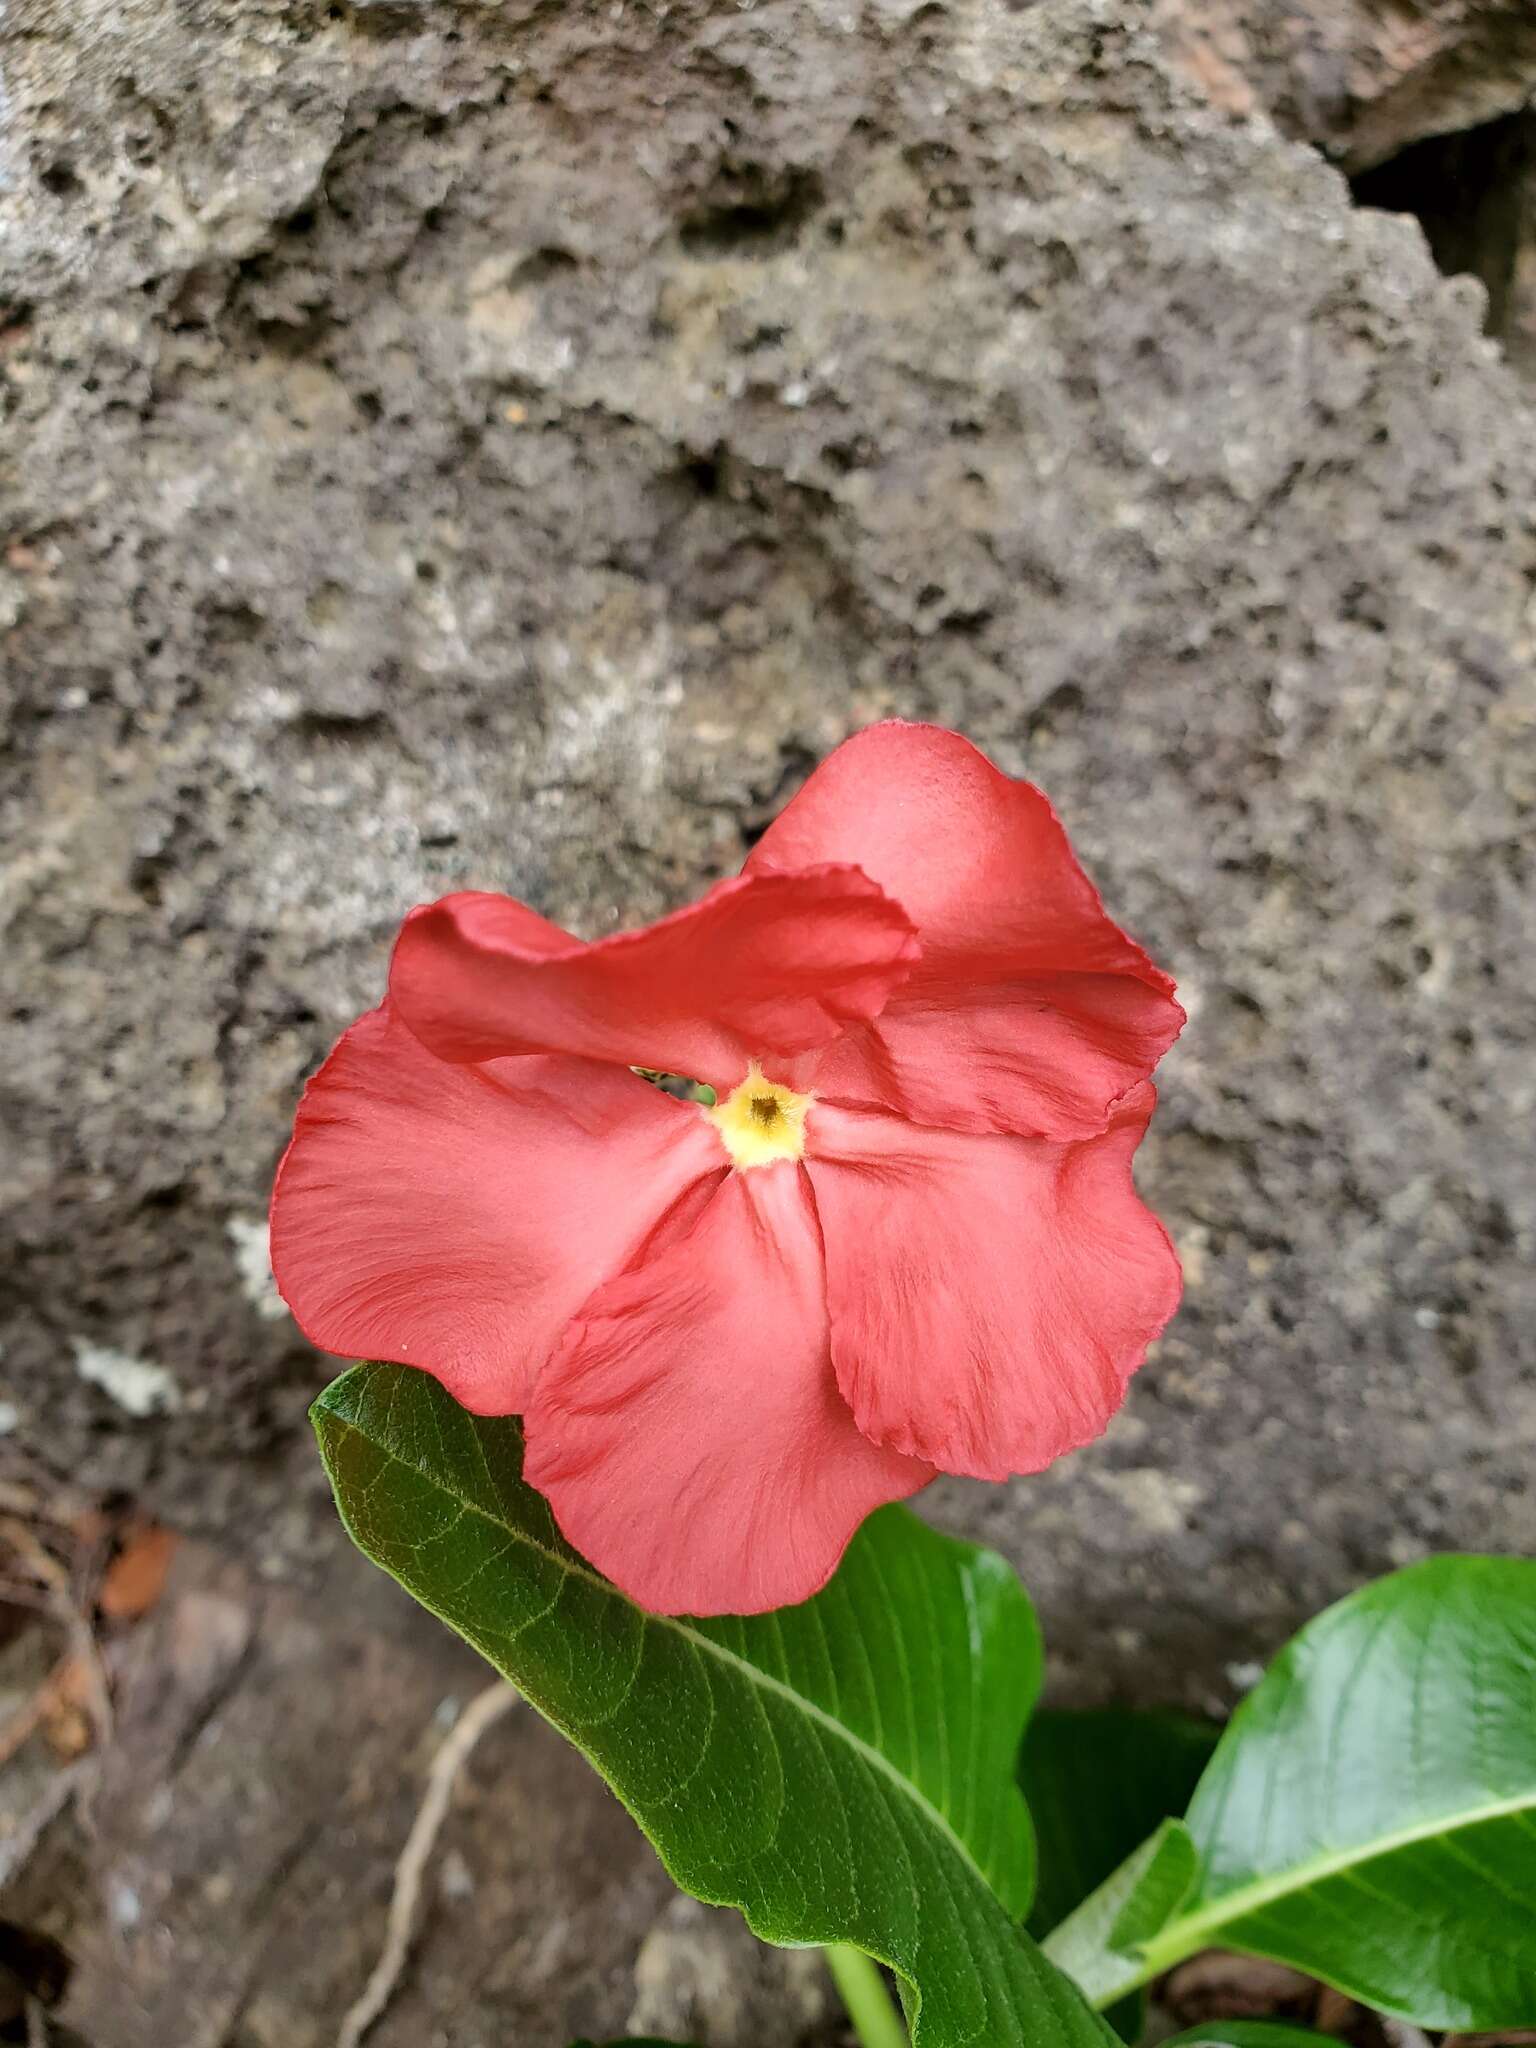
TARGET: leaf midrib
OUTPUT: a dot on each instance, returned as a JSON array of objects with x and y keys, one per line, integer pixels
[
  {"x": 757, "y": 1676},
  {"x": 1184, "y": 1933}
]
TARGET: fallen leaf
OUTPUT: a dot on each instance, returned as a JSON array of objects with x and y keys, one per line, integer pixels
[
  {"x": 1221, "y": 1986},
  {"x": 135, "y": 1578},
  {"x": 65, "y": 1708},
  {"x": 1336, "y": 2013}
]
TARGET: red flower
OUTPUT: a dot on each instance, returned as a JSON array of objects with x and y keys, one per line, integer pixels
[{"x": 906, "y": 1239}]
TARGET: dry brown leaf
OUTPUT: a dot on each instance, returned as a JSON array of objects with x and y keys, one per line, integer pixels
[
  {"x": 67, "y": 1707},
  {"x": 1336, "y": 2012},
  {"x": 1221, "y": 1986},
  {"x": 135, "y": 1578}
]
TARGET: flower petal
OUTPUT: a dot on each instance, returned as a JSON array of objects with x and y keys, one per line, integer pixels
[
  {"x": 454, "y": 1217},
  {"x": 1046, "y": 1054},
  {"x": 1030, "y": 1010},
  {"x": 690, "y": 1436},
  {"x": 762, "y": 964},
  {"x": 989, "y": 1296}
]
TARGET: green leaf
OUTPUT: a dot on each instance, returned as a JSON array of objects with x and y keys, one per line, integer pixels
[
  {"x": 1250, "y": 2034},
  {"x": 1166, "y": 1880},
  {"x": 840, "y": 1771},
  {"x": 1098, "y": 1783},
  {"x": 1369, "y": 1816},
  {"x": 1099, "y": 1946}
]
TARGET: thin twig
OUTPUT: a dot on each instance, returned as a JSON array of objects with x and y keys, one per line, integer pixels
[
  {"x": 18, "y": 1730},
  {"x": 16, "y": 1594},
  {"x": 39, "y": 1503},
  {"x": 42, "y": 1563},
  {"x": 55, "y": 1579},
  {"x": 483, "y": 1710}
]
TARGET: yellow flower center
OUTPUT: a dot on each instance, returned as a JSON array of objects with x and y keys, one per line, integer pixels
[{"x": 761, "y": 1121}]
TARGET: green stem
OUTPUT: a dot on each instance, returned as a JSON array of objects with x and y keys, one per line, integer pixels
[
  {"x": 862, "y": 1990},
  {"x": 1174, "y": 1945}
]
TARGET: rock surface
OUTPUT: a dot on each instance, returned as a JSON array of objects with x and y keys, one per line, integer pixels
[
  {"x": 1427, "y": 103},
  {"x": 271, "y": 1752},
  {"x": 1362, "y": 79},
  {"x": 506, "y": 446}
]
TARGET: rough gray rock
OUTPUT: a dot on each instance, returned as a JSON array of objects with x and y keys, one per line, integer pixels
[
  {"x": 506, "y": 446},
  {"x": 701, "y": 1974},
  {"x": 1427, "y": 103}
]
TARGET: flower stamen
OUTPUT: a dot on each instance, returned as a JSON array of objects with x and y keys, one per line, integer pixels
[{"x": 761, "y": 1121}]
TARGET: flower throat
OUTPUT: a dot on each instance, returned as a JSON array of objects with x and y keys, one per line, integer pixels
[{"x": 761, "y": 1121}]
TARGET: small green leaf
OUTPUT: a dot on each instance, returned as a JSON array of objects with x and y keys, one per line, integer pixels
[
  {"x": 1249, "y": 2034},
  {"x": 1099, "y": 1946},
  {"x": 1369, "y": 1816},
  {"x": 841, "y": 1771},
  {"x": 1098, "y": 1782},
  {"x": 1167, "y": 1878}
]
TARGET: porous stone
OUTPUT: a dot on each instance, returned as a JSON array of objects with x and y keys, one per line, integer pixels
[
  {"x": 506, "y": 446},
  {"x": 1427, "y": 103}
]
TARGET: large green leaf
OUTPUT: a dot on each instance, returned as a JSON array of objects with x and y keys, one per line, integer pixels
[
  {"x": 1098, "y": 1781},
  {"x": 1370, "y": 1814},
  {"x": 840, "y": 1771}
]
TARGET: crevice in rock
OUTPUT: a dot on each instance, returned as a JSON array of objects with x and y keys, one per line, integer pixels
[
  {"x": 1474, "y": 194},
  {"x": 62, "y": 180},
  {"x": 751, "y": 212}
]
